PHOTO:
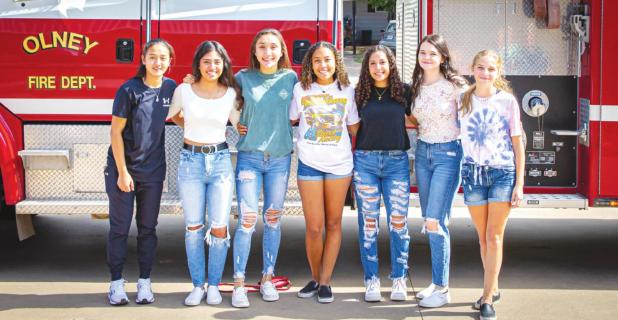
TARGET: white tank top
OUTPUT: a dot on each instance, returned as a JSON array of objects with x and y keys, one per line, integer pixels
[{"x": 205, "y": 120}]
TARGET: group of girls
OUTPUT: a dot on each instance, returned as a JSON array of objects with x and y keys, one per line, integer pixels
[{"x": 478, "y": 125}]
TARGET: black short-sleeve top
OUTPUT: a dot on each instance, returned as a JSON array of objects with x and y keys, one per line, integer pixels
[
  {"x": 145, "y": 109},
  {"x": 383, "y": 122}
]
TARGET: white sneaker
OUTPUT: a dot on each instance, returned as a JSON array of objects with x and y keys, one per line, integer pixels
[
  {"x": 213, "y": 296},
  {"x": 436, "y": 300},
  {"x": 372, "y": 290},
  {"x": 195, "y": 297},
  {"x": 399, "y": 291},
  {"x": 144, "y": 292},
  {"x": 426, "y": 292},
  {"x": 239, "y": 298},
  {"x": 269, "y": 292},
  {"x": 116, "y": 295}
]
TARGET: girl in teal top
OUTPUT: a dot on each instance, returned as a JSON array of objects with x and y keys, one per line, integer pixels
[{"x": 264, "y": 153}]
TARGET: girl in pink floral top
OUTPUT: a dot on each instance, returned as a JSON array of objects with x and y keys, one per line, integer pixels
[{"x": 435, "y": 90}]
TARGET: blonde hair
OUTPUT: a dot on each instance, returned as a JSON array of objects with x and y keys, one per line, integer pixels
[{"x": 500, "y": 82}]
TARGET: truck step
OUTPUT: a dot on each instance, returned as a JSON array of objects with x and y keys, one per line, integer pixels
[
  {"x": 533, "y": 200},
  {"x": 101, "y": 207}
]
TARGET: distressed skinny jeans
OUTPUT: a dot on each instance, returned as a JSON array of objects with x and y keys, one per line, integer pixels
[
  {"x": 206, "y": 180},
  {"x": 438, "y": 168},
  {"x": 254, "y": 171},
  {"x": 382, "y": 174}
]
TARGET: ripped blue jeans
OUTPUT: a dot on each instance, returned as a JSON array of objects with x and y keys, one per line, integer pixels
[
  {"x": 437, "y": 168},
  {"x": 382, "y": 174},
  {"x": 255, "y": 170},
  {"x": 206, "y": 180}
]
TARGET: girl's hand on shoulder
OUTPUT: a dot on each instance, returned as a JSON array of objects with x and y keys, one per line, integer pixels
[
  {"x": 189, "y": 78},
  {"x": 242, "y": 130},
  {"x": 125, "y": 182},
  {"x": 518, "y": 196}
]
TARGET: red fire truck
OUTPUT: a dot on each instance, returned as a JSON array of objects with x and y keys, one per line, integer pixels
[
  {"x": 63, "y": 60},
  {"x": 558, "y": 58}
]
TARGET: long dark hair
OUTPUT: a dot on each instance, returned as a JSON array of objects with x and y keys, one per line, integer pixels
[
  {"x": 307, "y": 77},
  {"x": 227, "y": 75},
  {"x": 366, "y": 82},
  {"x": 284, "y": 61},
  {"x": 446, "y": 67},
  {"x": 141, "y": 70}
]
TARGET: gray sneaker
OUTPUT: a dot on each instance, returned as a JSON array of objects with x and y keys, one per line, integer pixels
[
  {"x": 488, "y": 312},
  {"x": 144, "y": 292},
  {"x": 117, "y": 296}
]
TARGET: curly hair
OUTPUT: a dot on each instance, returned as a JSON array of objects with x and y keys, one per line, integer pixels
[
  {"x": 500, "y": 82},
  {"x": 446, "y": 67},
  {"x": 227, "y": 76},
  {"x": 366, "y": 82},
  {"x": 307, "y": 77}
]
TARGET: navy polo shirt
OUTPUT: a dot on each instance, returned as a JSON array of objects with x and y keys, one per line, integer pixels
[{"x": 145, "y": 109}]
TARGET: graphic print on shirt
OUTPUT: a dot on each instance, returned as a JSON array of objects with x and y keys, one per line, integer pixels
[
  {"x": 487, "y": 129},
  {"x": 324, "y": 115}
]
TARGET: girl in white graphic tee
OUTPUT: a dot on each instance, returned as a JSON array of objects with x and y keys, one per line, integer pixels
[{"x": 324, "y": 103}]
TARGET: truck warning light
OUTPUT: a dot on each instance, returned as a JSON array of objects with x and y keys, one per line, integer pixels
[{"x": 63, "y": 82}]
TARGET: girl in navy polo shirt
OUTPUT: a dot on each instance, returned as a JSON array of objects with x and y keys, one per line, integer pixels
[{"x": 136, "y": 167}]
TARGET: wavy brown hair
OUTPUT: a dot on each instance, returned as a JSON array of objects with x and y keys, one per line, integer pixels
[
  {"x": 284, "y": 61},
  {"x": 446, "y": 67},
  {"x": 307, "y": 77},
  {"x": 227, "y": 75},
  {"x": 366, "y": 82},
  {"x": 500, "y": 82}
]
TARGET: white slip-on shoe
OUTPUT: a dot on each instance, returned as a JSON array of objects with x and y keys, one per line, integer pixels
[
  {"x": 372, "y": 290},
  {"x": 269, "y": 292},
  {"x": 195, "y": 297},
  {"x": 239, "y": 298},
  {"x": 426, "y": 292},
  {"x": 117, "y": 296},
  {"x": 213, "y": 296},
  {"x": 436, "y": 300},
  {"x": 399, "y": 291},
  {"x": 144, "y": 292}
]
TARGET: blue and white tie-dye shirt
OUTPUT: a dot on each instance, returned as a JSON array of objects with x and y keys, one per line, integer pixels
[{"x": 486, "y": 131}]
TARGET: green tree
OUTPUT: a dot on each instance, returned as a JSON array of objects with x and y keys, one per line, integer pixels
[{"x": 386, "y": 5}]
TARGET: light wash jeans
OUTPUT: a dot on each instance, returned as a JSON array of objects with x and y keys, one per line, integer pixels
[
  {"x": 255, "y": 170},
  {"x": 206, "y": 179},
  {"x": 382, "y": 174},
  {"x": 437, "y": 168}
]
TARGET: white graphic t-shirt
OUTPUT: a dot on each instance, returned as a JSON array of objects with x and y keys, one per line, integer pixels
[{"x": 324, "y": 112}]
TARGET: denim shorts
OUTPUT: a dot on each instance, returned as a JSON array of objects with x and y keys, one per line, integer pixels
[
  {"x": 483, "y": 184},
  {"x": 308, "y": 173}
]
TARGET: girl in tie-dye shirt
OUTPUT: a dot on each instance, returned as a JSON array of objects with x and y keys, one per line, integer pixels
[{"x": 493, "y": 165}]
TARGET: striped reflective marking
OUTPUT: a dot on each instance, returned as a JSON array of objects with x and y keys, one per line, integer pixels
[
  {"x": 605, "y": 113},
  {"x": 59, "y": 106}
]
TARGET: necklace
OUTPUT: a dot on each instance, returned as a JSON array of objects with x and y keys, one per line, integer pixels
[
  {"x": 380, "y": 94},
  {"x": 156, "y": 91}
]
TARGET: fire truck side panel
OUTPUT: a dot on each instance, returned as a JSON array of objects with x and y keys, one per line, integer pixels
[
  {"x": 64, "y": 63},
  {"x": 11, "y": 141},
  {"x": 608, "y": 186}
]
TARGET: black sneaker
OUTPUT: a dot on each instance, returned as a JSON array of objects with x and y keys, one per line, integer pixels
[
  {"x": 495, "y": 299},
  {"x": 488, "y": 312},
  {"x": 325, "y": 294},
  {"x": 309, "y": 290}
]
